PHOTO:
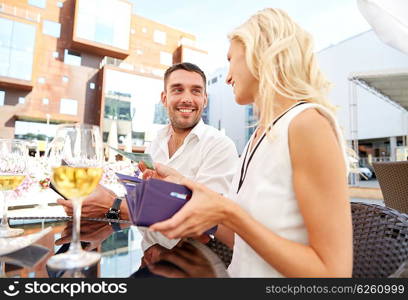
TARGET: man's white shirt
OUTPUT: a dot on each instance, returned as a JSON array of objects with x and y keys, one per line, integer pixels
[{"x": 206, "y": 156}]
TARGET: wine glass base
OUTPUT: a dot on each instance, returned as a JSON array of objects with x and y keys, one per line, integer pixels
[
  {"x": 10, "y": 232},
  {"x": 67, "y": 261}
]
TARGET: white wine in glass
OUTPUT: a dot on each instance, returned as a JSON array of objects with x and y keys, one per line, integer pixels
[
  {"x": 76, "y": 158},
  {"x": 13, "y": 161}
]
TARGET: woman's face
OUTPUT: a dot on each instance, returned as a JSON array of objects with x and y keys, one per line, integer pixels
[{"x": 245, "y": 85}]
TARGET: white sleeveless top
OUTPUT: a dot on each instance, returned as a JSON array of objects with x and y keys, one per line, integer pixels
[{"x": 267, "y": 193}]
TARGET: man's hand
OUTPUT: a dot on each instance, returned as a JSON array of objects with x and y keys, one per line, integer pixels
[
  {"x": 96, "y": 204},
  {"x": 189, "y": 262},
  {"x": 91, "y": 231},
  {"x": 162, "y": 172}
]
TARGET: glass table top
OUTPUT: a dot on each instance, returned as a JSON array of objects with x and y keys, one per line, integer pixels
[{"x": 127, "y": 252}]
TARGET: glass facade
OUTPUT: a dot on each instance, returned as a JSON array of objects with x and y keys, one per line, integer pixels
[
  {"x": 166, "y": 58},
  {"x": 131, "y": 100},
  {"x": 160, "y": 114},
  {"x": 69, "y": 106},
  {"x": 98, "y": 21},
  {"x": 17, "y": 42},
  {"x": 34, "y": 131},
  {"x": 72, "y": 58},
  {"x": 38, "y": 3},
  {"x": 52, "y": 28},
  {"x": 2, "y": 96},
  {"x": 159, "y": 37},
  {"x": 117, "y": 106},
  {"x": 250, "y": 121}
]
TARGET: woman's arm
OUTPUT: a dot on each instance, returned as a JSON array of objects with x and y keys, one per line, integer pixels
[
  {"x": 320, "y": 185},
  {"x": 319, "y": 179},
  {"x": 225, "y": 235}
]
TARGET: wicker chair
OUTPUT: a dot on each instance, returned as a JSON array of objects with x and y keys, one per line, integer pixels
[
  {"x": 380, "y": 241},
  {"x": 393, "y": 179}
]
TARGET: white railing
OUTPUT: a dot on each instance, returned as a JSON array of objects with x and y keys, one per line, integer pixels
[
  {"x": 110, "y": 61},
  {"x": 365, "y": 161}
]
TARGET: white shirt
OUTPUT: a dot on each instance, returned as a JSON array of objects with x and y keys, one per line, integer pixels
[
  {"x": 206, "y": 156},
  {"x": 267, "y": 194}
]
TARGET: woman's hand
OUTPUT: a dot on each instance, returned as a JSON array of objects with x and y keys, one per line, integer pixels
[{"x": 205, "y": 209}]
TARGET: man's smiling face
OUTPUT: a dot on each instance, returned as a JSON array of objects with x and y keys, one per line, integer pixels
[{"x": 185, "y": 99}]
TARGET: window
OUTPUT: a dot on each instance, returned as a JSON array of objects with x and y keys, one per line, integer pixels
[
  {"x": 144, "y": 30},
  {"x": 72, "y": 57},
  {"x": 132, "y": 31},
  {"x": 139, "y": 51},
  {"x": 102, "y": 25},
  {"x": 68, "y": 106},
  {"x": 16, "y": 49},
  {"x": 55, "y": 54},
  {"x": 41, "y": 80},
  {"x": 158, "y": 72},
  {"x": 214, "y": 80},
  {"x": 60, "y": 4},
  {"x": 52, "y": 28},
  {"x": 2, "y": 96},
  {"x": 92, "y": 86},
  {"x": 38, "y": 3},
  {"x": 187, "y": 42},
  {"x": 21, "y": 100},
  {"x": 117, "y": 109},
  {"x": 65, "y": 79},
  {"x": 159, "y": 37},
  {"x": 45, "y": 101},
  {"x": 166, "y": 58}
]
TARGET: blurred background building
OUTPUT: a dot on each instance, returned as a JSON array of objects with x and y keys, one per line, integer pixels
[
  {"x": 369, "y": 79},
  {"x": 91, "y": 61}
]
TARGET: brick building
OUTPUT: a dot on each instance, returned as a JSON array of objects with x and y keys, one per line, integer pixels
[{"x": 90, "y": 61}]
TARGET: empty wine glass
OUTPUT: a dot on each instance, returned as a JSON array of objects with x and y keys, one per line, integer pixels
[
  {"x": 13, "y": 160},
  {"x": 76, "y": 158}
]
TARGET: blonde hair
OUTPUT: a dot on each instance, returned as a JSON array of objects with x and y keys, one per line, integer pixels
[{"x": 279, "y": 54}]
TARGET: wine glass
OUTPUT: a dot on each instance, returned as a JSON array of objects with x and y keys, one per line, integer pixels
[
  {"x": 76, "y": 158},
  {"x": 13, "y": 160}
]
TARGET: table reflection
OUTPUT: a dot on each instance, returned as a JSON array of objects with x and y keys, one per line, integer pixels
[{"x": 122, "y": 253}]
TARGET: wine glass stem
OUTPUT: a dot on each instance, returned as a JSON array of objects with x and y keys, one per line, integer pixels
[
  {"x": 76, "y": 222},
  {"x": 4, "y": 219}
]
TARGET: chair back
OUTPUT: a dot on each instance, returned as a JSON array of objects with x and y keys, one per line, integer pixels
[
  {"x": 393, "y": 180},
  {"x": 380, "y": 240}
]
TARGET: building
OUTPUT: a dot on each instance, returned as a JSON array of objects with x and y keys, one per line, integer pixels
[
  {"x": 90, "y": 61},
  {"x": 379, "y": 126},
  {"x": 225, "y": 114}
]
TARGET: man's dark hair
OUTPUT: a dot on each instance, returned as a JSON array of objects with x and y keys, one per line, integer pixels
[{"x": 187, "y": 67}]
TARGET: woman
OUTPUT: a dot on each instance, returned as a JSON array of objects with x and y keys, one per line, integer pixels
[{"x": 289, "y": 207}]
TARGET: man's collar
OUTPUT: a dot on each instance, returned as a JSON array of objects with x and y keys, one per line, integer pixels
[{"x": 198, "y": 130}]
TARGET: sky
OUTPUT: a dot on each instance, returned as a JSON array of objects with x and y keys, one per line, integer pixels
[{"x": 329, "y": 21}]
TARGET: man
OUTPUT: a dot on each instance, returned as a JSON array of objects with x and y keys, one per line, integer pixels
[{"x": 198, "y": 151}]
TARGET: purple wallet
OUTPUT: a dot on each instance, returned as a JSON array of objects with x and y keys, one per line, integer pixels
[{"x": 153, "y": 200}]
